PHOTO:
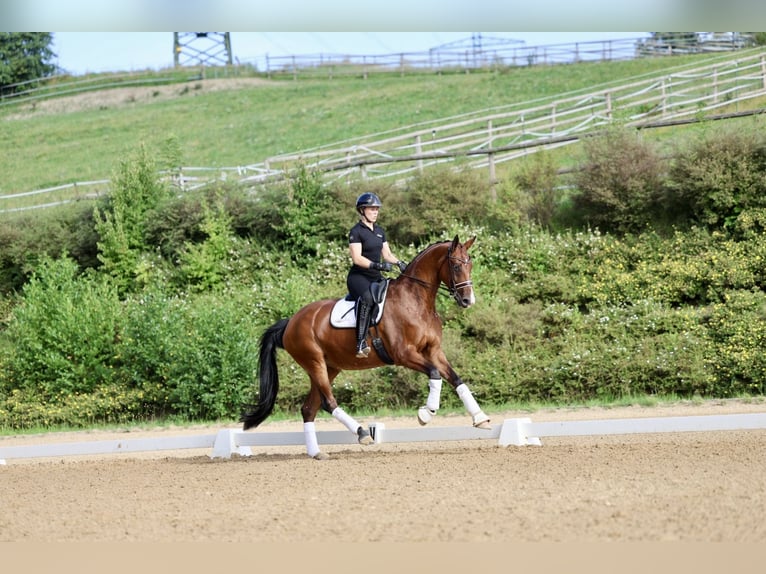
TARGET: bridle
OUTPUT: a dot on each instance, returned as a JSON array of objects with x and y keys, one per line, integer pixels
[{"x": 452, "y": 288}]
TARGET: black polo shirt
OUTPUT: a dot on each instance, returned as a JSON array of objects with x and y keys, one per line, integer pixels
[{"x": 372, "y": 241}]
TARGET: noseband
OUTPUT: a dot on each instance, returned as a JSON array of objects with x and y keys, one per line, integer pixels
[{"x": 453, "y": 286}]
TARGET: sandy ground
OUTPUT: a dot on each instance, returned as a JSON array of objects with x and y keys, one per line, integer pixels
[{"x": 696, "y": 487}]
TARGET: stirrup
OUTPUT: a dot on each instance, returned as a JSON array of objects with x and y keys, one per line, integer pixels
[{"x": 362, "y": 351}]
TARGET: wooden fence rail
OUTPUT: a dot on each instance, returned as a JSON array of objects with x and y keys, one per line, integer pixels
[
  {"x": 493, "y": 136},
  {"x": 689, "y": 92}
]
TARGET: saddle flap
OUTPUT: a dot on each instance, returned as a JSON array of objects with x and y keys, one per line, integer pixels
[{"x": 343, "y": 313}]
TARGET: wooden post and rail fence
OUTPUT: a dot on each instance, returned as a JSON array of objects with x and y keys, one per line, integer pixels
[{"x": 725, "y": 88}]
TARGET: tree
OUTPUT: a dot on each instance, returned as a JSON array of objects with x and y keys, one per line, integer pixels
[{"x": 25, "y": 56}]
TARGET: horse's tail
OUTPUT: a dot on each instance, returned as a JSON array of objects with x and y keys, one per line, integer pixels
[{"x": 271, "y": 340}]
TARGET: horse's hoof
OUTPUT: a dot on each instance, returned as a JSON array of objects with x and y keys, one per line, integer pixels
[
  {"x": 364, "y": 436},
  {"x": 321, "y": 456},
  {"x": 425, "y": 415},
  {"x": 481, "y": 421}
]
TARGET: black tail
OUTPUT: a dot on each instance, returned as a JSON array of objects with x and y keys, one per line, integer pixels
[{"x": 271, "y": 340}]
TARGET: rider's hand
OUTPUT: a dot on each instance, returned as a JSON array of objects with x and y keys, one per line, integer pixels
[
  {"x": 402, "y": 265},
  {"x": 385, "y": 266}
]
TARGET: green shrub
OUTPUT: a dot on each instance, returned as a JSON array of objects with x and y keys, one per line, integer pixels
[
  {"x": 309, "y": 215},
  {"x": 210, "y": 264},
  {"x": 718, "y": 177},
  {"x": 538, "y": 178},
  {"x": 216, "y": 366},
  {"x": 63, "y": 333},
  {"x": 736, "y": 328},
  {"x": 193, "y": 357},
  {"x": 621, "y": 184},
  {"x": 136, "y": 189},
  {"x": 433, "y": 203},
  {"x": 25, "y": 237}
]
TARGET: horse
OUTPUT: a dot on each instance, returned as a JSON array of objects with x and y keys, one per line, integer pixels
[{"x": 410, "y": 333}]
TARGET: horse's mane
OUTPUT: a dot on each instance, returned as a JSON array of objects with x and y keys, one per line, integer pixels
[{"x": 427, "y": 249}]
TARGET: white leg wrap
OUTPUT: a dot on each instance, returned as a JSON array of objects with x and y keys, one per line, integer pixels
[
  {"x": 480, "y": 419},
  {"x": 348, "y": 421},
  {"x": 310, "y": 434},
  {"x": 434, "y": 394},
  {"x": 468, "y": 401}
]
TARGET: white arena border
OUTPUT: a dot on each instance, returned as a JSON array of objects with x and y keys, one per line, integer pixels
[{"x": 515, "y": 431}]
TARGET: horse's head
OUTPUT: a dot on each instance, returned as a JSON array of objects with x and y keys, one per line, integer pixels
[{"x": 459, "y": 267}]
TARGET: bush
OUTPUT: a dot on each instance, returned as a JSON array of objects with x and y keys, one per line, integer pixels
[
  {"x": 309, "y": 215},
  {"x": 24, "y": 238},
  {"x": 136, "y": 190},
  {"x": 719, "y": 177},
  {"x": 433, "y": 203},
  {"x": 736, "y": 328},
  {"x": 63, "y": 334},
  {"x": 620, "y": 187},
  {"x": 538, "y": 178}
]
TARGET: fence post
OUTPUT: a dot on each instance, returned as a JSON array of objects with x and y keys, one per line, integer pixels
[
  {"x": 763, "y": 70},
  {"x": 608, "y": 97},
  {"x": 491, "y": 163},
  {"x": 419, "y": 151},
  {"x": 715, "y": 85}
]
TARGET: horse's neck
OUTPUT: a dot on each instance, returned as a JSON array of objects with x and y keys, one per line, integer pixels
[{"x": 425, "y": 270}]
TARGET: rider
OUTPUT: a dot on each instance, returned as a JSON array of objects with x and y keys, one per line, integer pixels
[{"x": 368, "y": 246}]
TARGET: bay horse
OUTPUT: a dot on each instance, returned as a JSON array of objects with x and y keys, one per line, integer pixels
[{"x": 410, "y": 330}]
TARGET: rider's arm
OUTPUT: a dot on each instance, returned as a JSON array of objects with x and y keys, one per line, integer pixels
[
  {"x": 355, "y": 249},
  {"x": 387, "y": 255}
]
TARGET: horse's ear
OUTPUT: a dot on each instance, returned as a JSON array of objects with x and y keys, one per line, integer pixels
[
  {"x": 467, "y": 244},
  {"x": 455, "y": 243}
]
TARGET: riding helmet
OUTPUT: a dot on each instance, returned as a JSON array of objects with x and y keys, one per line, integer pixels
[{"x": 367, "y": 200}]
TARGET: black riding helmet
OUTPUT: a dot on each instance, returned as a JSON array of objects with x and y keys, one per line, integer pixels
[{"x": 367, "y": 200}]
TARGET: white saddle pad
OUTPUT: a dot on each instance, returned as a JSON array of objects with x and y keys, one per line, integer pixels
[{"x": 343, "y": 314}]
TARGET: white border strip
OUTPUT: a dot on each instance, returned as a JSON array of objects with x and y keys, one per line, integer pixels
[{"x": 516, "y": 431}]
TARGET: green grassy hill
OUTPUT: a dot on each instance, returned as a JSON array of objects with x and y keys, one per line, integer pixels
[{"x": 239, "y": 121}]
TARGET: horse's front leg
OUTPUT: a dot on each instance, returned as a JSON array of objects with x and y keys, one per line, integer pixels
[
  {"x": 479, "y": 417},
  {"x": 428, "y": 411}
]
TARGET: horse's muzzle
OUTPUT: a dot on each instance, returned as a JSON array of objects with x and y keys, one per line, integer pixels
[{"x": 465, "y": 300}]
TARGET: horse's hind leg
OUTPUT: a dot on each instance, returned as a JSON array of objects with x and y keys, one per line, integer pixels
[
  {"x": 363, "y": 435},
  {"x": 321, "y": 395},
  {"x": 309, "y": 412},
  {"x": 331, "y": 406}
]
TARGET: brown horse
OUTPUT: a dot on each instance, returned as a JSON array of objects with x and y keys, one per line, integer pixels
[{"x": 410, "y": 330}]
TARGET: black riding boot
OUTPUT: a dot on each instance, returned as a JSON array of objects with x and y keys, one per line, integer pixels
[{"x": 362, "y": 325}]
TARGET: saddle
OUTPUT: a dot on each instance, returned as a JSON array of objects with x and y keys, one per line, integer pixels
[{"x": 343, "y": 315}]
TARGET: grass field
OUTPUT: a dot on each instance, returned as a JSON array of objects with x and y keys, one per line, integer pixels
[{"x": 239, "y": 121}]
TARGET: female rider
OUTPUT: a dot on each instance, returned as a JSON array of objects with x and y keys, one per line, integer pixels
[{"x": 368, "y": 246}]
